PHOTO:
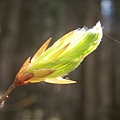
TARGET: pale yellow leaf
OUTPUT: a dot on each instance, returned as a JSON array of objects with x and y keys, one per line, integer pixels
[
  {"x": 41, "y": 50},
  {"x": 24, "y": 67},
  {"x": 59, "y": 80},
  {"x": 40, "y": 73}
]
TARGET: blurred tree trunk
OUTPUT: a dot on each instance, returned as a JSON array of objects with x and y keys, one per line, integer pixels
[
  {"x": 8, "y": 45},
  {"x": 9, "y": 39},
  {"x": 115, "y": 32},
  {"x": 90, "y": 90}
]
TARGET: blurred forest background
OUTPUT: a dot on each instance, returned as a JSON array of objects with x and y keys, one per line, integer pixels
[{"x": 25, "y": 25}]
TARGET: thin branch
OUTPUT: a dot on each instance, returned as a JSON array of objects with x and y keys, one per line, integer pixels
[{"x": 5, "y": 96}]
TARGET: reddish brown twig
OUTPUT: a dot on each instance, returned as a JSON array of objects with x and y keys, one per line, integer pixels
[{"x": 5, "y": 96}]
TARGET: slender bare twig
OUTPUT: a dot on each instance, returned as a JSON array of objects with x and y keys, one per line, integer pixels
[{"x": 5, "y": 96}]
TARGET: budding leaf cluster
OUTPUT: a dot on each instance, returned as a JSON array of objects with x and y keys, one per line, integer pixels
[{"x": 51, "y": 64}]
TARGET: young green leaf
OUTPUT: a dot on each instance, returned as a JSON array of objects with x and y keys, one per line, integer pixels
[{"x": 61, "y": 58}]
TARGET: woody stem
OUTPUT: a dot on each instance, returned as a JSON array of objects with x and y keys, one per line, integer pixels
[{"x": 5, "y": 96}]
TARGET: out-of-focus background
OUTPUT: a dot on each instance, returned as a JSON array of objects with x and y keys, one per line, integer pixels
[{"x": 25, "y": 25}]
